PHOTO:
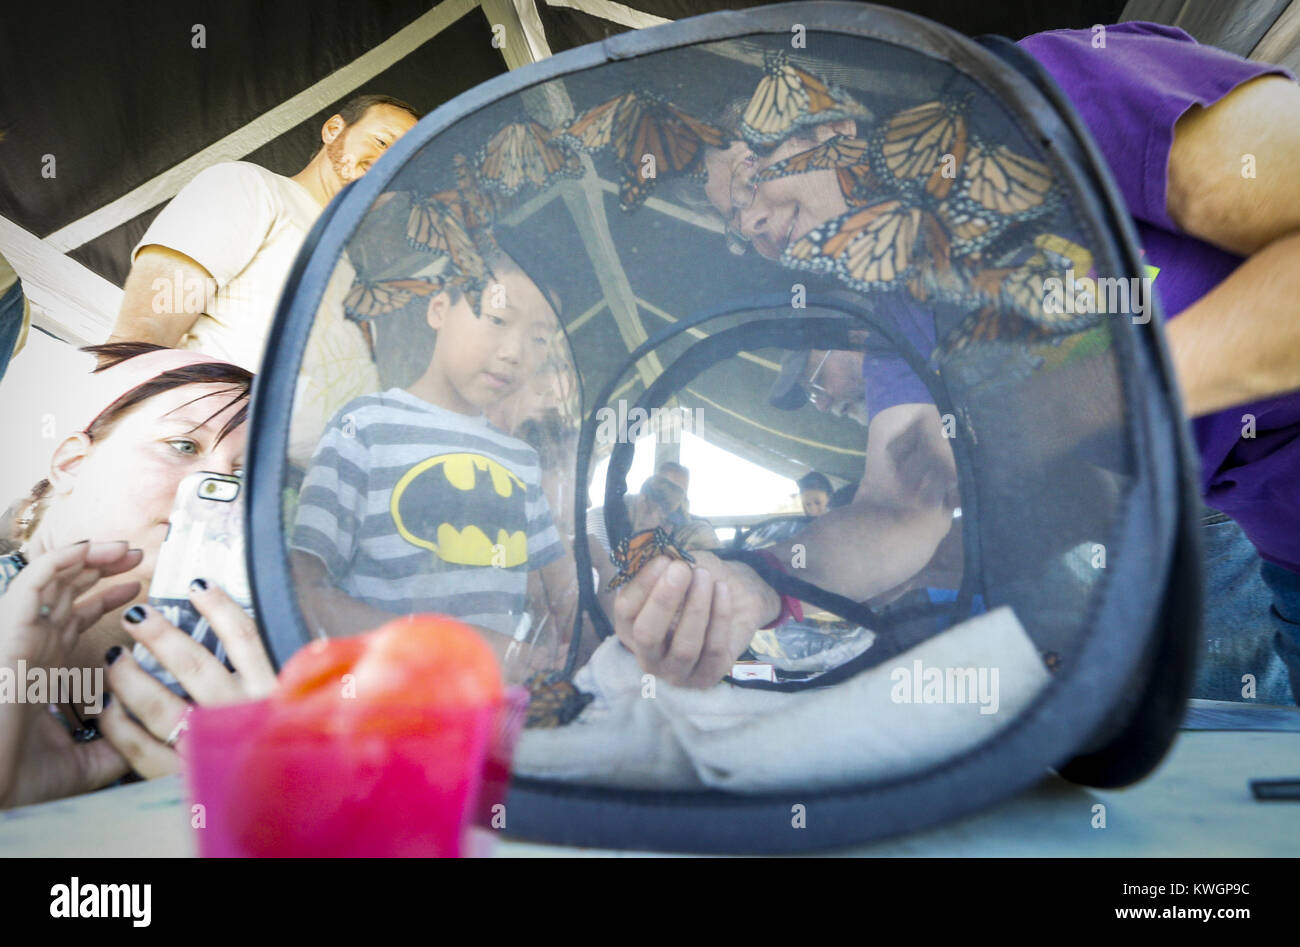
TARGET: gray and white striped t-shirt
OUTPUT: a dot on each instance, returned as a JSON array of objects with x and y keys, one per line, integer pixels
[{"x": 414, "y": 508}]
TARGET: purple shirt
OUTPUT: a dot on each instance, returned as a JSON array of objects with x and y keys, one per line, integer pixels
[
  {"x": 889, "y": 379},
  {"x": 1130, "y": 94}
]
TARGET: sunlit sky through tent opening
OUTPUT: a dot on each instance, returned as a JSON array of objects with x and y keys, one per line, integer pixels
[{"x": 722, "y": 484}]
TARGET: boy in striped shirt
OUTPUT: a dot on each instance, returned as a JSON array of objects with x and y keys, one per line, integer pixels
[{"x": 415, "y": 502}]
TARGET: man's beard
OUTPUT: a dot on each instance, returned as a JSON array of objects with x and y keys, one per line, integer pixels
[{"x": 344, "y": 165}]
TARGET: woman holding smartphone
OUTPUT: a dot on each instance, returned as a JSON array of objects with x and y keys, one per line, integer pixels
[{"x": 80, "y": 553}]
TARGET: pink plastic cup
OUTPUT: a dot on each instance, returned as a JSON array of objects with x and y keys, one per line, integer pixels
[{"x": 269, "y": 789}]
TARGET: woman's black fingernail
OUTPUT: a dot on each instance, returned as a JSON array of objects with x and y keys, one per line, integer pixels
[
  {"x": 108, "y": 699},
  {"x": 112, "y": 654},
  {"x": 135, "y": 614},
  {"x": 199, "y": 585}
]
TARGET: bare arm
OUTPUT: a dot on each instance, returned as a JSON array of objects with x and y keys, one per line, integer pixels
[
  {"x": 165, "y": 293},
  {"x": 1241, "y": 341},
  {"x": 328, "y": 609},
  {"x": 900, "y": 515}
]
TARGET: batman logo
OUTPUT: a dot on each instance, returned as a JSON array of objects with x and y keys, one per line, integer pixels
[{"x": 466, "y": 508}]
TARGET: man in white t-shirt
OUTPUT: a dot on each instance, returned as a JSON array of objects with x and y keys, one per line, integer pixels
[{"x": 208, "y": 272}]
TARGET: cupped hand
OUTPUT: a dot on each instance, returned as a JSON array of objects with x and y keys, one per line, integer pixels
[
  {"x": 42, "y": 615},
  {"x": 689, "y": 625},
  {"x": 149, "y": 744}
]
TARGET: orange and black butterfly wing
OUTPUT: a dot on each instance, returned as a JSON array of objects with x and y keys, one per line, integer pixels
[
  {"x": 633, "y": 553},
  {"x": 924, "y": 145},
  {"x": 594, "y": 128},
  {"x": 874, "y": 248},
  {"x": 970, "y": 227},
  {"x": 474, "y": 205},
  {"x": 437, "y": 224},
  {"x": 553, "y": 701},
  {"x": 653, "y": 139},
  {"x": 787, "y": 98},
  {"x": 367, "y": 300},
  {"x": 847, "y": 157},
  {"x": 1000, "y": 181},
  {"x": 993, "y": 324},
  {"x": 521, "y": 154}
]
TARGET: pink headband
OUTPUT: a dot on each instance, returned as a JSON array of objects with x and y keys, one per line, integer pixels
[{"x": 111, "y": 384}]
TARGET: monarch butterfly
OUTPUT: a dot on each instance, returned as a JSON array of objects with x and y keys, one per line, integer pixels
[
  {"x": 847, "y": 157},
  {"x": 787, "y": 98},
  {"x": 993, "y": 324},
  {"x": 1026, "y": 288},
  {"x": 366, "y": 300},
  {"x": 633, "y": 552},
  {"x": 553, "y": 701},
  {"x": 475, "y": 206},
  {"x": 1007, "y": 183},
  {"x": 1015, "y": 299},
  {"x": 524, "y": 153},
  {"x": 970, "y": 228},
  {"x": 925, "y": 142},
  {"x": 643, "y": 130},
  {"x": 870, "y": 249},
  {"x": 436, "y": 223}
]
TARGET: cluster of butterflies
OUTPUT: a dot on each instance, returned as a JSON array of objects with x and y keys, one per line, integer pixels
[
  {"x": 650, "y": 137},
  {"x": 933, "y": 209}
]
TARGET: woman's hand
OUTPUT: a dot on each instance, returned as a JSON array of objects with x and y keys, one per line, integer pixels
[
  {"x": 687, "y": 625},
  {"x": 149, "y": 744},
  {"x": 41, "y": 619}
]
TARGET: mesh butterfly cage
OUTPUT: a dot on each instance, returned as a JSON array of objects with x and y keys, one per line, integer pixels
[{"x": 813, "y": 236}]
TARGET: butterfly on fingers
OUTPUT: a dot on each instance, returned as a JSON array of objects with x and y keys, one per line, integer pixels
[
  {"x": 633, "y": 553},
  {"x": 650, "y": 137},
  {"x": 789, "y": 98}
]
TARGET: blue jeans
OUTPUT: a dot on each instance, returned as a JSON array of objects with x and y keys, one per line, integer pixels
[
  {"x": 1286, "y": 619},
  {"x": 1243, "y": 634},
  {"x": 11, "y": 323}
]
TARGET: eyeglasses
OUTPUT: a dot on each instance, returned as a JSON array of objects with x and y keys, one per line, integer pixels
[
  {"x": 815, "y": 390},
  {"x": 743, "y": 193}
]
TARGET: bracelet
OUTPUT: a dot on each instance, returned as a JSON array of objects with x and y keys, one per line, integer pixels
[{"x": 791, "y": 607}]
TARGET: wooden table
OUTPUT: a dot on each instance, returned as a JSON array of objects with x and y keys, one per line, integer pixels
[{"x": 1198, "y": 803}]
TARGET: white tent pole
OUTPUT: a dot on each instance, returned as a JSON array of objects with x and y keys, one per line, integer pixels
[
  {"x": 519, "y": 49},
  {"x": 68, "y": 300},
  {"x": 615, "y": 12}
]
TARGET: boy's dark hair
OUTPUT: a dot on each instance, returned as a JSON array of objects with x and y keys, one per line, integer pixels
[
  {"x": 357, "y": 106},
  {"x": 815, "y": 481}
]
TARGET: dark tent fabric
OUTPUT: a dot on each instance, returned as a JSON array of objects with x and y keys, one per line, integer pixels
[{"x": 120, "y": 95}]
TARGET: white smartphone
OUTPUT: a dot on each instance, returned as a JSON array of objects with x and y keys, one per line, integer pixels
[{"x": 205, "y": 539}]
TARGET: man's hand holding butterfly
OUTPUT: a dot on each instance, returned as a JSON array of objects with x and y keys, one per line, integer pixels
[{"x": 688, "y": 625}]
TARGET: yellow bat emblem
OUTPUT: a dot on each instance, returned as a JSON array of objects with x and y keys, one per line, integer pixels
[{"x": 466, "y": 509}]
